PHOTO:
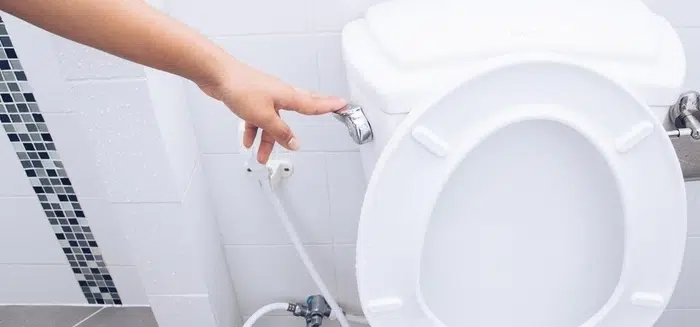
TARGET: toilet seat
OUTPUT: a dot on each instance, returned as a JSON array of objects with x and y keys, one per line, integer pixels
[{"x": 600, "y": 246}]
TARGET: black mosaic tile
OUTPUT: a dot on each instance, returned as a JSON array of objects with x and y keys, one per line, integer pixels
[{"x": 25, "y": 127}]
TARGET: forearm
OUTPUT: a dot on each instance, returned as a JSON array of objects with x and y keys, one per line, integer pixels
[{"x": 130, "y": 29}]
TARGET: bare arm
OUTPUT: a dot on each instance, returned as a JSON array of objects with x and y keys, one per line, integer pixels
[{"x": 135, "y": 31}]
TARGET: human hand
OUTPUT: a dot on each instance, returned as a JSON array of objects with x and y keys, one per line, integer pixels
[{"x": 257, "y": 98}]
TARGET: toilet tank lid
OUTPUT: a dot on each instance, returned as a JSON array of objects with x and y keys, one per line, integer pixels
[{"x": 418, "y": 33}]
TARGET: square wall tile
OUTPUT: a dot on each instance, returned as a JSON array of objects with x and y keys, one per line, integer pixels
[
  {"x": 239, "y": 17},
  {"x": 687, "y": 292},
  {"x": 77, "y": 154},
  {"x": 244, "y": 213},
  {"x": 346, "y": 191},
  {"x": 172, "y": 115},
  {"x": 331, "y": 68},
  {"x": 162, "y": 247},
  {"x": 27, "y": 236},
  {"x": 291, "y": 58},
  {"x": 331, "y": 137},
  {"x": 680, "y": 13},
  {"x": 215, "y": 125},
  {"x": 40, "y": 64},
  {"x": 347, "y": 281},
  {"x": 107, "y": 230},
  {"x": 183, "y": 311},
  {"x": 128, "y": 283},
  {"x": 266, "y": 274},
  {"x": 78, "y": 61},
  {"x": 690, "y": 38},
  {"x": 332, "y": 15},
  {"x": 679, "y": 318},
  {"x": 692, "y": 190},
  {"x": 124, "y": 132},
  {"x": 39, "y": 284},
  {"x": 13, "y": 177},
  {"x": 210, "y": 256}
]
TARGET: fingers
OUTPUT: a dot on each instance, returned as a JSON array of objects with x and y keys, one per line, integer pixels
[
  {"x": 267, "y": 143},
  {"x": 275, "y": 130},
  {"x": 249, "y": 135},
  {"x": 308, "y": 103}
]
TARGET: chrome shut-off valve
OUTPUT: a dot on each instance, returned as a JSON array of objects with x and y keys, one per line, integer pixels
[
  {"x": 685, "y": 112},
  {"x": 356, "y": 122}
]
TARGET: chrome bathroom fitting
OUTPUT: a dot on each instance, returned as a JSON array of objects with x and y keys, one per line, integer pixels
[
  {"x": 314, "y": 310},
  {"x": 685, "y": 117},
  {"x": 357, "y": 123}
]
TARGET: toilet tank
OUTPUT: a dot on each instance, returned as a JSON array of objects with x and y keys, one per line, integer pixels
[{"x": 405, "y": 54}]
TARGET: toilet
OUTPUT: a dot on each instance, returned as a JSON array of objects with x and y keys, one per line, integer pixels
[{"x": 519, "y": 172}]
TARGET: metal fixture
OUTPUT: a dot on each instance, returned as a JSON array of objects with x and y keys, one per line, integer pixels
[
  {"x": 685, "y": 112},
  {"x": 314, "y": 310},
  {"x": 357, "y": 123},
  {"x": 685, "y": 116}
]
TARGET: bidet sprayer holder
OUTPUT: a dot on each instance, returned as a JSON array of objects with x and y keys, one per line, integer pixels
[{"x": 274, "y": 170}]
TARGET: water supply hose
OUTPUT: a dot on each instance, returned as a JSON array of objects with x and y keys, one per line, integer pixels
[
  {"x": 303, "y": 255},
  {"x": 263, "y": 311}
]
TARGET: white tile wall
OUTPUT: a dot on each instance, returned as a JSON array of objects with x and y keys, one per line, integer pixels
[
  {"x": 38, "y": 284},
  {"x": 27, "y": 237},
  {"x": 14, "y": 180},
  {"x": 274, "y": 273},
  {"x": 182, "y": 310},
  {"x": 120, "y": 126}
]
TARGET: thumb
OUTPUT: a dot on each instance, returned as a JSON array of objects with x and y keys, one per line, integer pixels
[{"x": 308, "y": 103}]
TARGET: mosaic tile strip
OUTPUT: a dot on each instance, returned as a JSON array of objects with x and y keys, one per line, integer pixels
[{"x": 24, "y": 124}]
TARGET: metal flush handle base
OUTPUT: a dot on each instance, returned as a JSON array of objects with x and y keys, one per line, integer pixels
[{"x": 356, "y": 122}]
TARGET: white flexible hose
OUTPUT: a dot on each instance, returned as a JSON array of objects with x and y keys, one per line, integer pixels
[
  {"x": 279, "y": 209},
  {"x": 263, "y": 311}
]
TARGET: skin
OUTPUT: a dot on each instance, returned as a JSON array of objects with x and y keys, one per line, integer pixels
[{"x": 135, "y": 31}]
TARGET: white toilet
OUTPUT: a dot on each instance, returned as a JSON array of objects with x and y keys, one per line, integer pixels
[{"x": 517, "y": 173}]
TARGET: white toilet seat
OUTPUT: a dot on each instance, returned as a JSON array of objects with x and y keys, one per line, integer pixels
[{"x": 635, "y": 174}]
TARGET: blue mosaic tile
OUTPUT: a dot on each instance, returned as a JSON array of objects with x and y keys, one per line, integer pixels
[{"x": 26, "y": 129}]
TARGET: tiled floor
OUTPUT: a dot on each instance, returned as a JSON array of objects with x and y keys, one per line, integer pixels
[{"x": 45, "y": 316}]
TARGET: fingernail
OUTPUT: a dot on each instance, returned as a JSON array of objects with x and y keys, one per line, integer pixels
[{"x": 293, "y": 144}]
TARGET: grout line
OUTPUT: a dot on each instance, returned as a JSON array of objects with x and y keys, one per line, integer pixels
[
  {"x": 88, "y": 317},
  {"x": 239, "y": 246},
  {"x": 277, "y": 34},
  {"x": 88, "y": 80},
  {"x": 302, "y": 152},
  {"x": 332, "y": 231},
  {"x": 17, "y": 197},
  {"x": 196, "y": 295}
]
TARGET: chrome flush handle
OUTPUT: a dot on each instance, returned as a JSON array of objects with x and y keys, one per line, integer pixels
[{"x": 356, "y": 122}]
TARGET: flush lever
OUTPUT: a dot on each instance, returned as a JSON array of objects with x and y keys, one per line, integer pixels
[{"x": 357, "y": 123}]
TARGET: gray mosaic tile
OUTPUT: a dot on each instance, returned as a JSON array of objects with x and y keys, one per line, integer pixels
[{"x": 24, "y": 125}]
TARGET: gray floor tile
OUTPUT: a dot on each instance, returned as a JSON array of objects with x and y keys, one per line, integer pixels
[
  {"x": 122, "y": 317},
  {"x": 43, "y": 316}
]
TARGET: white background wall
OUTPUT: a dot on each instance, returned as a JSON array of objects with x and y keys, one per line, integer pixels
[{"x": 299, "y": 42}]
